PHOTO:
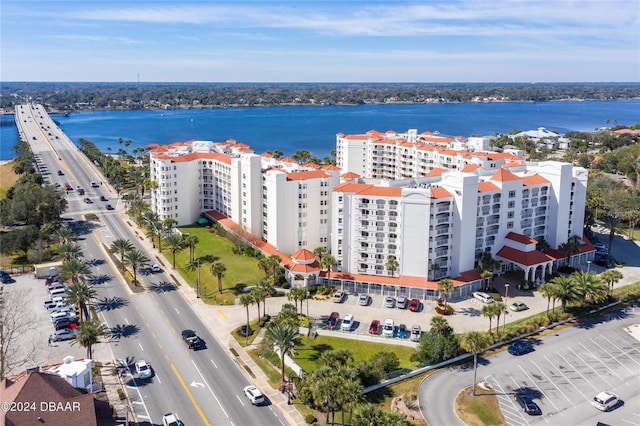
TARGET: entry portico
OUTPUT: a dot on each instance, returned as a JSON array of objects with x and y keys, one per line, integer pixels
[{"x": 520, "y": 251}]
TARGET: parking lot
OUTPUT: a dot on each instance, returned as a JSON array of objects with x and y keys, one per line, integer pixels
[{"x": 567, "y": 370}]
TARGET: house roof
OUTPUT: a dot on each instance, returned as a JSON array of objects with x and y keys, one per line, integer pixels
[
  {"x": 487, "y": 187},
  {"x": 350, "y": 175},
  {"x": 523, "y": 239},
  {"x": 404, "y": 280},
  {"x": 530, "y": 258},
  {"x": 306, "y": 175},
  {"x": 534, "y": 180},
  {"x": 504, "y": 175},
  {"x": 303, "y": 254}
]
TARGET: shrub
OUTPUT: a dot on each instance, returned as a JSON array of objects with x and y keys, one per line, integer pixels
[
  {"x": 121, "y": 394},
  {"x": 310, "y": 419},
  {"x": 264, "y": 320}
]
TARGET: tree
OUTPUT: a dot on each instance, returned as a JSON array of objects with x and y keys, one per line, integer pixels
[
  {"x": 74, "y": 270},
  {"x": 372, "y": 415},
  {"x": 265, "y": 264},
  {"x": 174, "y": 243},
  {"x": 79, "y": 294},
  {"x": 474, "y": 342},
  {"x": 489, "y": 311},
  {"x": 611, "y": 277},
  {"x": 259, "y": 295},
  {"x": 89, "y": 333},
  {"x": 565, "y": 291},
  {"x": 218, "y": 269},
  {"x": 266, "y": 287},
  {"x": 69, "y": 251},
  {"x": 64, "y": 235},
  {"x": 297, "y": 293},
  {"x": 246, "y": 300},
  {"x": 135, "y": 259},
  {"x": 445, "y": 286},
  {"x": 17, "y": 349},
  {"x": 191, "y": 241},
  {"x": 435, "y": 267},
  {"x": 500, "y": 308},
  {"x": 542, "y": 244},
  {"x": 612, "y": 222},
  {"x": 392, "y": 264},
  {"x": 326, "y": 263},
  {"x": 121, "y": 247},
  {"x": 274, "y": 263},
  {"x": 590, "y": 287},
  {"x": 285, "y": 337},
  {"x": 319, "y": 251},
  {"x": 438, "y": 344},
  {"x": 549, "y": 291}
]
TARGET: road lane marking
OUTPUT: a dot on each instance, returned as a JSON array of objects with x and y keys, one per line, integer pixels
[
  {"x": 221, "y": 313},
  {"x": 167, "y": 357},
  {"x": 153, "y": 334},
  {"x": 160, "y": 345},
  {"x": 214, "y": 364},
  {"x": 622, "y": 351},
  {"x": 141, "y": 348},
  {"x": 127, "y": 321},
  {"x": 564, "y": 375},
  {"x": 147, "y": 324},
  {"x": 162, "y": 311},
  {"x": 190, "y": 395},
  {"x": 177, "y": 310},
  {"x": 615, "y": 358},
  {"x": 533, "y": 382},
  {"x": 158, "y": 378},
  {"x": 592, "y": 369},
  {"x": 209, "y": 387},
  {"x": 241, "y": 401},
  {"x": 599, "y": 359},
  {"x": 576, "y": 370}
]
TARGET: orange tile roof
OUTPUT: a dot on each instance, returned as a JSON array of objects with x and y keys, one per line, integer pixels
[
  {"x": 503, "y": 175},
  {"x": 267, "y": 155},
  {"x": 306, "y": 175},
  {"x": 357, "y": 137},
  {"x": 382, "y": 191},
  {"x": 512, "y": 164},
  {"x": 531, "y": 258},
  {"x": 350, "y": 175},
  {"x": 385, "y": 141},
  {"x": 407, "y": 145},
  {"x": 287, "y": 160},
  {"x": 470, "y": 168},
  {"x": 436, "y": 171},
  {"x": 303, "y": 254},
  {"x": 350, "y": 187},
  {"x": 331, "y": 168},
  {"x": 403, "y": 280},
  {"x": 311, "y": 166},
  {"x": 303, "y": 269},
  {"x": 440, "y": 193},
  {"x": 534, "y": 180},
  {"x": 523, "y": 239},
  {"x": 487, "y": 187}
]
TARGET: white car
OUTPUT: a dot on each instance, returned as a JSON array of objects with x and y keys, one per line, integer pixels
[
  {"x": 483, "y": 297},
  {"x": 388, "y": 328},
  {"x": 363, "y": 299},
  {"x": 155, "y": 268},
  {"x": 416, "y": 333},
  {"x": 389, "y": 302},
  {"x": 347, "y": 323},
  {"x": 62, "y": 315},
  {"x": 401, "y": 303},
  {"x": 143, "y": 369},
  {"x": 171, "y": 419},
  {"x": 255, "y": 396},
  {"x": 64, "y": 334},
  {"x": 604, "y": 400},
  {"x": 338, "y": 296}
]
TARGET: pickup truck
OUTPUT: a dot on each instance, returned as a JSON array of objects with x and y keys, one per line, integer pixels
[{"x": 191, "y": 339}]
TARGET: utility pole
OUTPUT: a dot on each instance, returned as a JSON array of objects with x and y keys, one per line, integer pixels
[{"x": 198, "y": 281}]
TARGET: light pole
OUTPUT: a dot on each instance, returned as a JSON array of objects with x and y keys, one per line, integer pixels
[
  {"x": 588, "y": 266},
  {"x": 198, "y": 281},
  {"x": 506, "y": 296}
]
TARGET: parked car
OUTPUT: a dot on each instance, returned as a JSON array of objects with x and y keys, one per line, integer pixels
[
  {"x": 338, "y": 296},
  {"x": 191, "y": 339},
  {"x": 374, "y": 328},
  {"x": 401, "y": 303},
  {"x": 67, "y": 187},
  {"x": 520, "y": 347},
  {"x": 527, "y": 404},
  {"x": 255, "y": 396},
  {"x": 416, "y": 333},
  {"x": 88, "y": 201},
  {"x": 62, "y": 315},
  {"x": 483, "y": 297},
  {"x": 171, "y": 419},
  {"x": 402, "y": 331},
  {"x": 109, "y": 207},
  {"x": 414, "y": 305},
  {"x": 60, "y": 173},
  {"x": 389, "y": 302},
  {"x": 94, "y": 185},
  {"x": 388, "y": 329},
  {"x": 5, "y": 277},
  {"x": 103, "y": 198},
  {"x": 604, "y": 401},
  {"x": 363, "y": 300},
  {"x": 518, "y": 306},
  {"x": 347, "y": 323},
  {"x": 63, "y": 334},
  {"x": 604, "y": 263},
  {"x": 143, "y": 369},
  {"x": 332, "y": 321},
  {"x": 61, "y": 324}
]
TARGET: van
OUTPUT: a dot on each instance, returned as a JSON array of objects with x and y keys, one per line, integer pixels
[
  {"x": 483, "y": 297},
  {"x": 59, "y": 292}
]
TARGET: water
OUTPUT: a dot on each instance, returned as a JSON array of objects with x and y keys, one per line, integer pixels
[{"x": 290, "y": 128}]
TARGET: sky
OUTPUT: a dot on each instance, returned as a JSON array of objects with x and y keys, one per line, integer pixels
[{"x": 320, "y": 41}]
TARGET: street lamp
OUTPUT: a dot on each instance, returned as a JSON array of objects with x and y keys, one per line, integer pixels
[
  {"x": 198, "y": 281},
  {"x": 506, "y": 296},
  {"x": 588, "y": 266}
]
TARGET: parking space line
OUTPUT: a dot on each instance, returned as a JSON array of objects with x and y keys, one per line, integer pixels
[
  {"x": 533, "y": 382},
  {"x": 622, "y": 351},
  {"x": 551, "y": 381},
  {"x": 512, "y": 419},
  {"x": 601, "y": 361},
  {"x": 576, "y": 370},
  {"x": 563, "y": 375},
  {"x": 614, "y": 357},
  {"x": 592, "y": 369}
]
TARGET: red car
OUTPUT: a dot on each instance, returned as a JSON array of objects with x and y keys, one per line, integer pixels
[
  {"x": 414, "y": 305},
  {"x": 374, "y": 328},
  {"x": 67, "y": 187}
]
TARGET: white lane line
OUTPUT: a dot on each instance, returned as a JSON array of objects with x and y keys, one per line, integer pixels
[
  {"x": 141, "y": 348},
  {"x": 533, "y": 382},
  {"x": 142, "y": 416},
  {"x": 177, "y": 310},
  {"x": 576, "y": 370},
  {"x": 622, "y": 351},
  {"x": 127, "y": 321},
  {"x": 599, "y": 359},
  {"x": 209, "y": 387},
  {"x": 214, "y": 364},
  {"x": 507, "y": 405},
  {"x": 563, "y": 375},
  {"x": 158, "y": 377},
  {"x": 241, "y": 401},
  {"x": 554, "y": 385},
  {"x": 610, "y": 385},
  {"x": 613, "y": 357}
]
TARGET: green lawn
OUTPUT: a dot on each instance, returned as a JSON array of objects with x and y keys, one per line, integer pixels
[
  {"x": 308, "y": 353},
  {"x": 240, "y": 269}
]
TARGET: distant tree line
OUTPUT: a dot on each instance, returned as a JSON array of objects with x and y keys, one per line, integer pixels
[{"x": 81, "y": 96}]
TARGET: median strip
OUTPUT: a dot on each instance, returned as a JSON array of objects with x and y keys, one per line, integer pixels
[{"x": 190, "y": 395}]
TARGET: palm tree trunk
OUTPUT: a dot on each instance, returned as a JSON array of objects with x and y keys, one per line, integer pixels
[
  {"x": 258, "y": 305},
  {"x": 475, "y": 371}
]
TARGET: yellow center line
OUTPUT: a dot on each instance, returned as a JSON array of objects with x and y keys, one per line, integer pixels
[
  {"x": 142, "y": 316},
  {"x": 167, "y": 357},
  {"x": 162, "y": 311},
  {"x": 190, "y": 395},
  {"x": 153, "y": 334},
  {"x": 222, "y": 314},
  {"x": 147, "y": 324},
  {"x": 160, "y": 345}
]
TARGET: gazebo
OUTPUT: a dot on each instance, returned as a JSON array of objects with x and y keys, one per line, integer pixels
[{"x": 303, "y": 269}]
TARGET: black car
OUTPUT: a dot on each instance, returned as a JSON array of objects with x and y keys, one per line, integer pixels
[
  {"x": 103, "y": 198},
  {"x": 527, "y": 404},
  {"x": 604, "y": 263},
  {"x": 520, "y": 347},
  {"x": 109, "y": 207},
  {"x": 5, "y": 278},
  {"x": 191, "y": 339}
]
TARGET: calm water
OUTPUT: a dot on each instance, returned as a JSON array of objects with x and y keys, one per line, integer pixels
[{"x": 314, "y": 128}]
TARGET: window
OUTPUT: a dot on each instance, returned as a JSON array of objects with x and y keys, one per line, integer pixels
[
  {"x": 510, "y": 215},
  {"x": 511, "y": 204},
  {"x": 512, "y": 194},
  {"x": 509, "y": 225}
]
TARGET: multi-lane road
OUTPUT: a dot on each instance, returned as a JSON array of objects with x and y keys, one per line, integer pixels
[{"x": 204, "y": 386}]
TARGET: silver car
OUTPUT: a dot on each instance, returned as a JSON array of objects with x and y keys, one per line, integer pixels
[{"x": 389, "y": 302}]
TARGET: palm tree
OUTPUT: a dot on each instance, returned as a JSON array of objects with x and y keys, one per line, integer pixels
[
  {"x": 612, "y": 222},
  {"x": 64, "y": 235},
  {"x": 295, "y": 294},
  {"x": 319, "y": 251},
  {"x": 632, "y": 217},
  {"x": 79, "y": 294},
  {"x": 69, "y": 251},
  {"x": 286, "y": 337},
  {"x": 265, "y": 264},
  {"x": 445, "y": 286},
  {"x": 326, "y": 263},
  {"x": 440, "y": 325},
  {"x": 218, "y": 269},
  {"x": 500, "y": 308},
  {"x": 174, "y": 243},
  {"x": 489, "y": 311},
  {"x": 474, "y": 342},
  {"x": 566, "y": 290},
  {"x": 136, "y": 259},
  {"x": 542, "y": 244},
  {"x": 246, "y": 300},
  {"x": 611, "y": 277},
  {"x": 258, "y": 294},
  {"x": 274, "y": 263},
  {"x": 121, "y": 247},
  {"x": 74, "y": 270},
  {"x": 392, "y": 264},
  {"x": 590, "y": 286},
  {"x": 89, "y": 333},
  {"x": 372, "y": 415},
  {"x": 435, "y": 267},
  {"x": 266, "y": 289},
  {"x": 191, "y": 241},
  {"x": 549, "y": 291}
]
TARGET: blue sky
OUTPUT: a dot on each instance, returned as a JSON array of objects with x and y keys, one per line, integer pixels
[{"x": 320, "y": 41}]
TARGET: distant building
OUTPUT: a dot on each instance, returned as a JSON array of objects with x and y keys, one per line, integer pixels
[{"x": 544, "y": 138}]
